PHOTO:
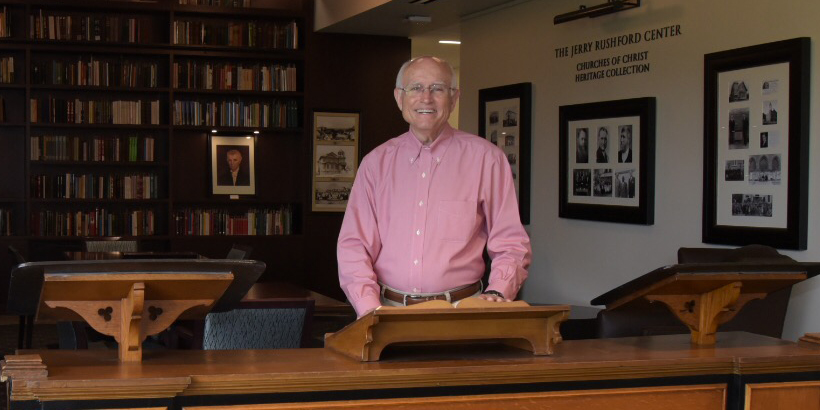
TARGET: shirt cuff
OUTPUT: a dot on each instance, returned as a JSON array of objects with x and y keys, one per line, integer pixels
[
  {"x": 507, "y": 280},
  {"x": 366, "y": 304}
]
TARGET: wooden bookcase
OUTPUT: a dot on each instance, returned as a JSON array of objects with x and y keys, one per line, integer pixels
[{"x": 99, "y": 102}]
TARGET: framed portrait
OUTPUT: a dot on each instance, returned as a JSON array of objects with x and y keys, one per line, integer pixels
[
  {"x": 335, "y": 158},
  {"x": 756, "y": 136},
  {"x": 607, "y": 161},
  {"x": 505, "y": 119},
  {"x": 233, "y": 165}
]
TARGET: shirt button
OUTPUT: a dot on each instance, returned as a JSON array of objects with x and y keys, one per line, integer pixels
[
  {"x": 438, "y": 159},
  {"x": 415, "y": 290},
  {"x": 416, "y": 262},
  {"x": 421, "y": 203},
  {"x": 411, "y": 160},
  {"x": 423, "y": 174},
  {"x": 418, "y": 231}
]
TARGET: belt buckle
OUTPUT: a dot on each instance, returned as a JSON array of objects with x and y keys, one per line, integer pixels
[{"x": 417, "y": 298}]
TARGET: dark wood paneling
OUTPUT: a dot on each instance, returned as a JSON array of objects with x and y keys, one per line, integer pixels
[{"x": 350, "y": 73}]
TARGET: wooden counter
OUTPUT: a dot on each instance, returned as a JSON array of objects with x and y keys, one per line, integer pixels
[{"x": 584, "y": 369}]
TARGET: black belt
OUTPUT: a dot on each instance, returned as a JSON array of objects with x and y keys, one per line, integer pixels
[{"x": 409, "y": 299}]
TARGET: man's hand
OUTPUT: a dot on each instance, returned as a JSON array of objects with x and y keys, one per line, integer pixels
[{"x": 494, "y": 297}]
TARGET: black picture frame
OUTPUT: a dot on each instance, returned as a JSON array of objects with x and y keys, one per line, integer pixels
[
  {"x": 622, "y": 201},
  {"x": 741, "y": 208},
  {"x": 219, "y": 148},
  {"x": 516, "y": 127}
]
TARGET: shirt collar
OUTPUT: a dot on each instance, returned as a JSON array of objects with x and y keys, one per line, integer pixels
[{"x": 412, "y": 147}]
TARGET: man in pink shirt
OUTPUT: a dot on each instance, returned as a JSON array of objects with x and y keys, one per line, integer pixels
[{"x": 425, "y": 204}]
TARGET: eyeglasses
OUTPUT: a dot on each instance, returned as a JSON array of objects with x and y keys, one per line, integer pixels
[{"x": 436, "y": 90}]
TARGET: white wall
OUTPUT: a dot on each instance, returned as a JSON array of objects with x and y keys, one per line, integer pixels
[{"x": 574, "y": 260}]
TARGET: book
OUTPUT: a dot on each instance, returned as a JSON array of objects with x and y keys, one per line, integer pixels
[{"x": 466, "y": 303}]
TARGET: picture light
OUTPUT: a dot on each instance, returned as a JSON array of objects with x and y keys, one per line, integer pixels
[{"x": 611, "y": 6}]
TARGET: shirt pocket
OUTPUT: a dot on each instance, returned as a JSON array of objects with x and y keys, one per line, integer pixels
[{"x": 456, "y": 220}]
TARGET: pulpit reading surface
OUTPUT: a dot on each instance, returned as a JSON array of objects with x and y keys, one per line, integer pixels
[
  {"x": 705, "y": 295},
  {"x": 533, "y": 328},
  {"x": 130, "y": 300}
]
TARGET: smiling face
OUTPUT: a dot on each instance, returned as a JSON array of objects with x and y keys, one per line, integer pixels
[{"x": 426, "y": 113}]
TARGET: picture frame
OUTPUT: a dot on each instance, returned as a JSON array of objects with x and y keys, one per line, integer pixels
[
  {"x": 505, "y": 119},
  {"x": 602, "y": 181},
  {"x": 335, "y": 159},
  {"x": 756, "y": 145},
  {"x": 227, "y": 152}
]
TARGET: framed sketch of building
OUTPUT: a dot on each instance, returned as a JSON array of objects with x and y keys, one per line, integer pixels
[{"x": 335, "y": 159}]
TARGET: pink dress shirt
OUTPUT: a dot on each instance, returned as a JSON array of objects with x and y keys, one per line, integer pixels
[{"x": 418, "y": 218}]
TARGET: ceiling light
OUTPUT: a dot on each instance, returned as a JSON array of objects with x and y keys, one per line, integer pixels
[
  {"x": 419, "y": 19},
  {"x": 449, "y": 42}
]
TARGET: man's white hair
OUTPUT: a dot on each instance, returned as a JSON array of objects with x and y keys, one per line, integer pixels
[{"x": 453, "y": 78}]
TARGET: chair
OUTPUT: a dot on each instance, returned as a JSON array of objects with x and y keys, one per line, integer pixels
[
  {"x": 763, "y": 316},
  {"x": 110, "y": 244},
  {"x": 256, "y": 325},
  {"x": 239, "y": 251},
  {"x": 25, "y": 327}
]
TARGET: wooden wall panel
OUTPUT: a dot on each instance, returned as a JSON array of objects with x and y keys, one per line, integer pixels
[
  {"x": 706, "y": 397},
  {"x": 783, "y": 396}
]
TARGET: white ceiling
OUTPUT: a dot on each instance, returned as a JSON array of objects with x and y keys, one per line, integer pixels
[{"x": 390, "y": 18}]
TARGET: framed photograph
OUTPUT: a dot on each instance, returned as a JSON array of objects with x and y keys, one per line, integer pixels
[
  {"x": 233, "y": 165},
  {"x": 607, "y": 161},
  {"x": 335, "y": 159},
  {"x": 505, "y": 118},
  {"x": 756, "y": 136}
]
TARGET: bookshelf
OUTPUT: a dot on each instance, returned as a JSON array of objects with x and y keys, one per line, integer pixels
[{"x": 97, "y": 97}]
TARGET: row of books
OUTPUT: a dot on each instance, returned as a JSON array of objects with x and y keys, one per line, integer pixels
[
  {"x": 261, "y": 34},
  {"x": 277, "y": 114},
  {"x": 76, "y": 111},
  {"x": 93, "y": 186},
  {"x": 5, "y": 222},
  {"x": 94, "y": 72},
  {"x": 5, "y": 28},
  {"x": 230, "y": 76},
  {"x": 266, "y": 221},
  {"x": 92, "y": 149},
  {"x": 51, "y": 26},
  {"x": 7, "y": 69},
  {"x": 228, "y": 3},
  {"x": 98, "y": 222}
]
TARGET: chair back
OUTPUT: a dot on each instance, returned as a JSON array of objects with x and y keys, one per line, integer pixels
[
  {"x": 260, "y": 325},
  {"x": 113, "y": 244},
  {"x": 239, "y": 252},
  {"x": 15, "y": 253}
]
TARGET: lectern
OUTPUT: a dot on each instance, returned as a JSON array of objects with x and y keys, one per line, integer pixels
[
  {"x": 533, "y": 328},
  {"x": 130, "y": 300},
  {"x": 705, "y": 295}
]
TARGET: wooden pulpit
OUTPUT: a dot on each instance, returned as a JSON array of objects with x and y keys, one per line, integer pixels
[
  {"x": 533, "y": 328},
  {"x": 706, "y": 295},
  {"x": 130, "y": 300}
]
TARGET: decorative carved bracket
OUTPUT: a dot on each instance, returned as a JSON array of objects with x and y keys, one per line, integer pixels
[
  {"x": 130, "y": 306},
  {"x": 131, "y": 319},
  {"x": 704, "y": 312}
]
